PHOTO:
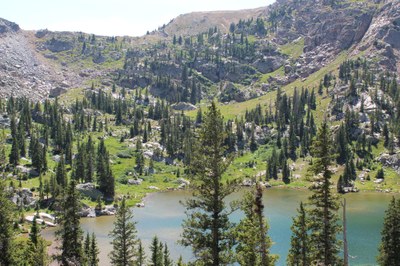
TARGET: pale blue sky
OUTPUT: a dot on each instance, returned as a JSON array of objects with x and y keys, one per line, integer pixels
[{"x": 110, "y": 17}]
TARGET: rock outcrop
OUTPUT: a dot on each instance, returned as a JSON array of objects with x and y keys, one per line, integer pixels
[{"x": 392, "y": 161}]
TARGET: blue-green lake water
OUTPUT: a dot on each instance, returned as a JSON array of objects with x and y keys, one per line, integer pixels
[{"x": 163, "y": 217}]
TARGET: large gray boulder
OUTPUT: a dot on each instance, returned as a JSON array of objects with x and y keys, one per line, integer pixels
[
  {"x": 268, "y": 64},
  {"x": 89, "y": 190},
  {"x": 392, "y": 161}
]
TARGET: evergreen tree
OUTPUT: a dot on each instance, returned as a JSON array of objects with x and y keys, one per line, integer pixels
[
  {"x": 286, "y": 173},
  {"x": 323, "y": 214},
  {"x": 33, "y": 234},
  {"x": 79, "y": 167},
  {"x": 141, "y": 257},
  {"x": 105, "y": 177},
  {"x": 342, "y": 145},
  {"x": 380, "y": 174},
  {"x": 124, "y": 241},
  {"x": 251, "y": 233},
  {"x": 199, "y": 116},
  {"x": 86, "y": 250},
  {"x": 139, "y": 158},
  {"x": 14, "y": 154},
  {"x": 61, "y": 174},
  {"x": 6, "y": 226},
  {"x": 300, "y": 246},
  {"x": 253, "y": 144},
  {"x": 180, "y": 262},
  {"x": 3, "y": 157},
  {"x": 39, "y": 256},
  {"x": 157, "y": 255},
  {"x": 21, "y": 139},
  {"x": 90, "y": 160},
  {"x": 70, "y": 233},
  {"x": 167, "y": 258},
  {"x": 37, "y": 247},
  {"x": 340, "y": 184},
  {"x": 94, "y": 252},
  {"x": 389, "y": 254},
  {"x": 206, "y": 228},
  {"x": 385, "y": 134}
]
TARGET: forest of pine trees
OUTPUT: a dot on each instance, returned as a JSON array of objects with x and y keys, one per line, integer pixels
[{"x": 207, "y": 229}]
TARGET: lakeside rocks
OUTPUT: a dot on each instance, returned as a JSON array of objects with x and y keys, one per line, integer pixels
[
  {"x": 44, "y": 218},
  {"x": 250, "y": 183},
  {"x": 183, "y": 183},
  {"x": 89, "y": 212}
]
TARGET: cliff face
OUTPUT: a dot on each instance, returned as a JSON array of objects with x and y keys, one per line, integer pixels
[
  {"x": 370, "y": 28},
  {"x": 382, "y": 39}
]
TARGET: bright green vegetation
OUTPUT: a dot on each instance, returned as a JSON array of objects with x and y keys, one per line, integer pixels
[
  {"x": 279, "y": 72},
  {"x": 294, "y": 49}
]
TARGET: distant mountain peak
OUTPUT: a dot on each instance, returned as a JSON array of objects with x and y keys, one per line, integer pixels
[{"x": 197, "y": 22}]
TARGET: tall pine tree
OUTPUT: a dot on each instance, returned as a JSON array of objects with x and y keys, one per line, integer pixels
[
  {"x": 124, "y": 241},
  {"x": 323, "y": 213},
  {"x": 389, "y": 248},
  {"x": 207, "y": 227},
  {"x": 105, "y": 177},
  {"x": 37, "y": 247},
  {"x": 70, "y": 233},
  {"x": 300, "y": 246},
  {"x": 251, "y": 232},
  {"x": 6, "y": 226},
  {"x": 157, "y": 255},
  {"x": 93, "y": 252}
]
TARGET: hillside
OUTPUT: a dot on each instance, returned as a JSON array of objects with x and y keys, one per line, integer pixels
[{"x": 277, "y": 73}]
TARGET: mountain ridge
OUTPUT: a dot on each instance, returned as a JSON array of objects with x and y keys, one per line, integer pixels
[
  {"x": 361, "y": 27},
  {"x": 197, "y": 22}
]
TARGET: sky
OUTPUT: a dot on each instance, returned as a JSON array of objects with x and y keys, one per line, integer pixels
[{"x": 110, "y": 17}]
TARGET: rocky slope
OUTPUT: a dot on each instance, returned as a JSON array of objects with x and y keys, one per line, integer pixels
[{"x": 23, "y": 70}]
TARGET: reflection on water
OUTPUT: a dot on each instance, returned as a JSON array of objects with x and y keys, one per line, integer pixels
[{"x": 163, "y": 216}]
